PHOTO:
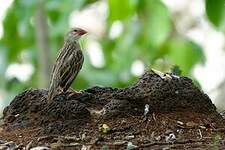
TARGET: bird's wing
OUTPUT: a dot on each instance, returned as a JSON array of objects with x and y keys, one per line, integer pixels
[{"x": 70, "y": 69}]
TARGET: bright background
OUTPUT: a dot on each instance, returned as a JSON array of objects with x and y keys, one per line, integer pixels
[{"x": 125, "y": 38}]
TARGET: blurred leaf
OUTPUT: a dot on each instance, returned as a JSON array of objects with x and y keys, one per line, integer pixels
[
  {"x": 156, "y": 23},
  {"x": 184, "y": 53},
  {"x": 121, "y": 9},
  {"x": 3, "y": 64},
  {"x": 124, "y": 53},
  {"x": 17, "y": 29},
  {"x": 10, "y": 27},
  {"x": 215, "y": 10}
]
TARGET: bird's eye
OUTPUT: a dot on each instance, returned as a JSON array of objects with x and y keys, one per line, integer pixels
[{"x": 75, "y": 30}]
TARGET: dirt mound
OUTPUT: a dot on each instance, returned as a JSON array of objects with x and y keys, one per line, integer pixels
[{"x": 172, "y": 98}]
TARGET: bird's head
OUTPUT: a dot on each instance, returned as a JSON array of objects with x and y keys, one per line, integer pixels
[{"x": 74, "y": 34}]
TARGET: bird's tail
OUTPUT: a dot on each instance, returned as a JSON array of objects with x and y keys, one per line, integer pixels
[{"x": 51, "y": 93}]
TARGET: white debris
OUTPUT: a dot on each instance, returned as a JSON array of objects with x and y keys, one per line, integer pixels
[
  {"x": 40, "y": 148},
  {"x": 146, "y": 109},
  {"x": 175, "y": 76},
  {"x": 179, "y": 130},
  {"x": 200, "y": 133},
  {"x": 17, "y": 115},
  {"x": 129, "y": 137},
  {"x": 170, "y": 138},
  {"x": 130, "y": 146},
  {"x": 162, "y": 75},
  {"x": 167, "y": 77},
  {"x": 84, "y": 147},
  {"x": 166, "y": 148},
  {"x": 180, "y": 122},
  {"x": 158, "y": 138}
]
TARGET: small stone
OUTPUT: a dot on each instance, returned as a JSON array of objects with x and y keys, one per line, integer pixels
[{"x": 104, "y": 128}]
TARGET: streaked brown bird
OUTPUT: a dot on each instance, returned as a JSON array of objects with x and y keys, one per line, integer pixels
[{"x": 68, "y": 63}]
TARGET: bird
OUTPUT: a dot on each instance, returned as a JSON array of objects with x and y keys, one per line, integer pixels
[{"x": 68, "y": 63}]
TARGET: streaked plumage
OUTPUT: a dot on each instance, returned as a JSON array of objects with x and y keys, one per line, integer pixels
[{"x": 68, "y": 64}]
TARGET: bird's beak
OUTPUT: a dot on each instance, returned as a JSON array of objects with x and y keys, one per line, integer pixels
[{"x": 82, "y": 32}]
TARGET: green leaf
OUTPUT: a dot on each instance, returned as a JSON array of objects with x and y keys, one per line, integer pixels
[
  {"x": 3, "y": 60},
  {"x": 121, "y": 9},
  {"x": 17, "y": 29},
  {"x": 185, "y": 54},
  {"x": 215, "y": 10},
  {"x": 11, "y": 37},
  {"x": 156, "y": 22}
]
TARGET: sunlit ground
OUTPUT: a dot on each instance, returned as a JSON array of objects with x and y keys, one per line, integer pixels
[{"x": 202, "y": 32}]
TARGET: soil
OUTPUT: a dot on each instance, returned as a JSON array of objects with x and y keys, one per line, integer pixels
[{"x": 160, "y": 111}]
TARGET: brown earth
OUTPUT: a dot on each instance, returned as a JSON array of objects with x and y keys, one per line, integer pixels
[{"x": 180, "y": 116}]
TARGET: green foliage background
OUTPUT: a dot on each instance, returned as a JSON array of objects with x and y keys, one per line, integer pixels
[{"x": 148, "y": 35}]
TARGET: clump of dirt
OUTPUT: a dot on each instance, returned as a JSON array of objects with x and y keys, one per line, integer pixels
[{"x": 172, "y": 98}]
